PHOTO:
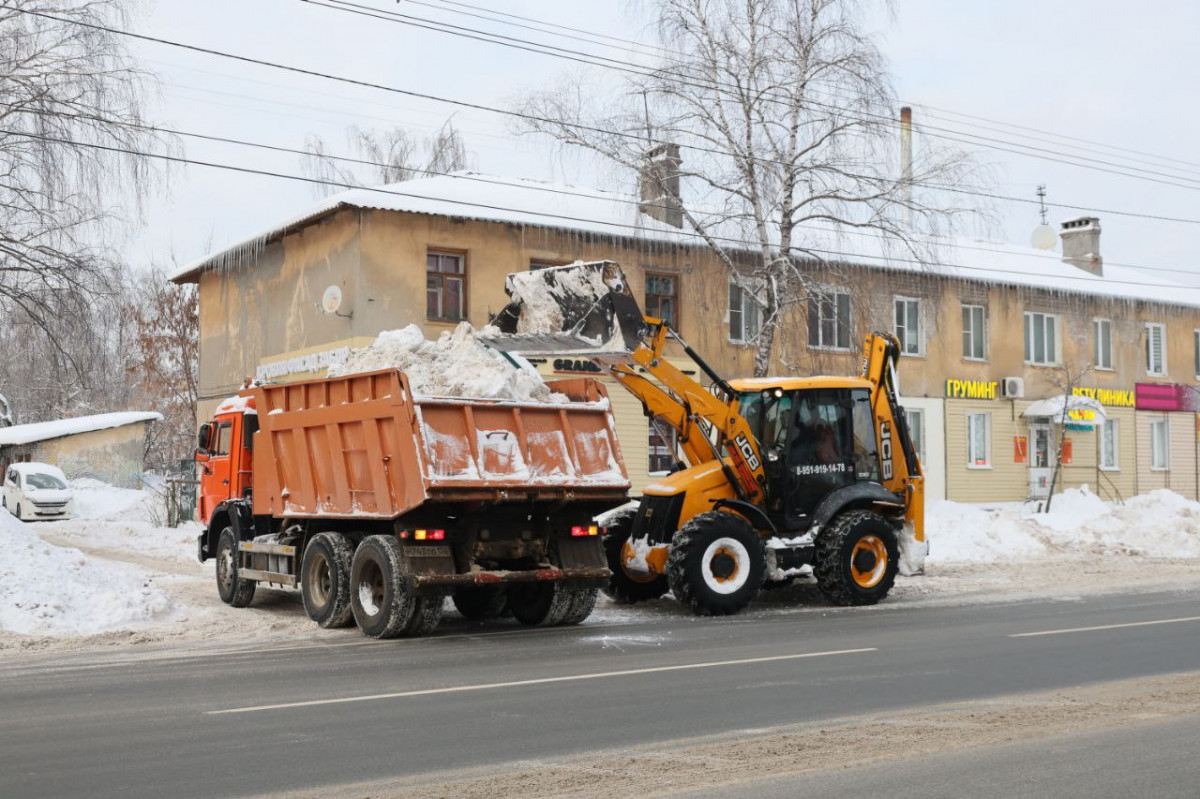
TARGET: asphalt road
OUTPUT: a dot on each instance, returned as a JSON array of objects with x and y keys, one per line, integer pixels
[{"x": 241, "y": 720}]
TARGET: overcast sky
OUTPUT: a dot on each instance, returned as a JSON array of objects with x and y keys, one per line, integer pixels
[{"x": 1088, "y": 69}]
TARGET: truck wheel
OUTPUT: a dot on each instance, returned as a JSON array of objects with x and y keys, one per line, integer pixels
[
  {"x": 479, "y": 604},
  {"x": 625, "y": 587},
  {"x": 233, "y": 589},
  {"x": 380, "y": 601},
  {"x": 856, "y": 559},
  {"x": 427, "y": 615},
  {"x": 541, "y": 604},
  {"x": 325, "y": 580},
  {"x": 717, "y": 564},
  {"x": 583, "y": 602}
]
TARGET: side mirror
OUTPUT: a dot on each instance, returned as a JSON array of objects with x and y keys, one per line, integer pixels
[{"x": 204, "y": 437}]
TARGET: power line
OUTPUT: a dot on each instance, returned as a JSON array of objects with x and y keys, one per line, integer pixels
[
  {"x": 530, "y": 46},
  {"x": 810, "y": 251}
]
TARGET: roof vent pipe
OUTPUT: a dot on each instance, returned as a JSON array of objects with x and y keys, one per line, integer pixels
[
  {"x": 1081, "y": 244},
  {"x": 658, "y": 184}
]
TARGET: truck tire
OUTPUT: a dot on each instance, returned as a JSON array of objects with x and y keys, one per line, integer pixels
[
  {"x": 857, "y": 558},
  {"x": 427, "y": 615},
  {"x": 480, "y": 604},
  {"x": 540, "y": 604},
  {"x": 379, "y": 598},
  {"x": 583, "y": 602},
  {"x": 623, "y": 587},
  {"x": 325, "y": 580},
  {"x": 717, "y": 564},
  {"x": 232, "y": 588}
]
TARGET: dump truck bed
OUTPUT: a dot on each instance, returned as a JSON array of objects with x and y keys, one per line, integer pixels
[{"x": 363, "y": 446}]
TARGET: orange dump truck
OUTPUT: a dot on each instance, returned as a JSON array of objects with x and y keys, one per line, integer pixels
[{"x": 378, "y": 504}]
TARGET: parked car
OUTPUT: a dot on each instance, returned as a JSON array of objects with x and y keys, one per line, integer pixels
[{"x": 35, "y": 491}]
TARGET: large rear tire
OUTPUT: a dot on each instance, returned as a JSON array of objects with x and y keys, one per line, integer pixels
[
  {"x": 582, "y": 603},
  {"x": 325, "y": 580},
  {"x": 480, "y": 604},
  {"x": 857, "y": 558},
  {"x": 626, "y": 587},
  {"x": 717, "y": 564},
  {"x": 381, "y": 603},
  {"x": 540, "y": 604},
  {"x": 427, "y": 615},
  {"x": 231, "y": 587}
]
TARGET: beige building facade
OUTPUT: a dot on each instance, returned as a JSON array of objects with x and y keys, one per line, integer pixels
[{"x": 986, "y": 335}]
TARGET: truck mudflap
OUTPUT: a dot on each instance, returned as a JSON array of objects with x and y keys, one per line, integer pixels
[{"x": 582, "y": 578}]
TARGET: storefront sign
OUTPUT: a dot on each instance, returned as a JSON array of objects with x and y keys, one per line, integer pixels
[
  {"x": 1112, "y": 397},
  {"x": 971, "y": 389},
  {"x": 1020, "y": 449},
  {"x": 302, "y": 363},
  {"x": 574, "y": 365},
  {"x": 1082, "y": 415},
  {"x": 1164, "y": 397}
]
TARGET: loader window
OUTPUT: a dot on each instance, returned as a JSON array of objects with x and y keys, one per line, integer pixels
[
  {"x": 823, "y": 432},
  {"x": 866, "y": 446}
]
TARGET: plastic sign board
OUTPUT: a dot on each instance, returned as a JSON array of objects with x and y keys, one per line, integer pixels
[
  {"x": 1112, "y": 397},
  {"x": 971, "y": 389},
  {"x": 1020, "y": 449},
  {"x": 1068, "y": 452}
]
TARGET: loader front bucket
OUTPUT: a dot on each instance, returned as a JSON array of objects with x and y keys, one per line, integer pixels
[{"x": 580, "y": 309}]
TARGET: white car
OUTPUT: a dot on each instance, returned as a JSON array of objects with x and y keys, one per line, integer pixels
[{"x": 35, "y": 491}]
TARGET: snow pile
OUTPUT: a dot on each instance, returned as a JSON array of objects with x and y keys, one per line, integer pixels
[
  {"x": 543, "y": 293},
  {"x": 95, "y": 499},
  {"x": 1161, "y": 524},
  {"x": 56, "y": 591},
  {"x": 458, "y": 364}
]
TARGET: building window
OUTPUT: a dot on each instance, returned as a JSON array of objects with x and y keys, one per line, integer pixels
[
  {"x": 745, "y": 320},
  {"x": 974, "y": 333},
  {"x": 908, "y": 325},
  {"x": 1160, "y": 445},
  {"x": 662, "y": 298},
  {"x": 916, "y": 430},
  {"x": 1041, "y": 339},
  {"x": 1103, "y": 334},
  {"x": 445, "y": 286},
  {"x": 829, "y": 319},
  {"x": 979, "y": 440},
  {"x": 662, "y": 449},
  {"x": 1110, "y": 458},
  {"x": 1156, "y": 350}
]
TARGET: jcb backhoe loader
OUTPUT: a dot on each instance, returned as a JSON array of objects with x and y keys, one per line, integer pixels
[{"x": 779, "y": 475}]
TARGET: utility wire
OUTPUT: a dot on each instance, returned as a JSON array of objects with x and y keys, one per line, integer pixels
[{"x": 849, "y": 258}]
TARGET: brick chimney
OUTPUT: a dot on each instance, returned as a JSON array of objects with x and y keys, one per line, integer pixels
[
  {"x": 1081, "y": 244},
  {"x": 658, "y": 184}
]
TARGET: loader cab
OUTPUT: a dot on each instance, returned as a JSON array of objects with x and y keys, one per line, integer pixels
[
  {"x": 224, "y": 454},
  {"x": 817, "y": 435}
]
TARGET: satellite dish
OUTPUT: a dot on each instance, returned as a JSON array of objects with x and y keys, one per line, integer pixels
[
  {"x": 331, "y": 300},
  {"x": 1044, "y": 237}
]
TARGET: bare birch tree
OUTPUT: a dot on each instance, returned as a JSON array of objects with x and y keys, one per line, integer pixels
[
  {"x": 785, "y": 115},
  {"x": 384, "y": 156}
]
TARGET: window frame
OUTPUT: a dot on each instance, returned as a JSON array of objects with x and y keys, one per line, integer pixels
[
  {"x": 747, "y": 292},
  {"x": 1162, "y": 331},
  {"x": 822, "y": 294},
  {"x": 983, "y": 333},
  {"x": 897, "y": 302},
  {"x": 1116, "y": 446},
  {"x": 1029, "y": 342},
  {"x": 674, "y": 297},
  {"x": 987, "y": 440},
  {"x": 1096, "y": 352},
  {"x": 461, "y": 255},
  {"x": 1166, "y": 426}
]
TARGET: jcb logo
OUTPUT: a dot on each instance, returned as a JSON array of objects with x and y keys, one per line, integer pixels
[
  {"x": 885, "y": 449},
  {"x": 744, "y": 447}
]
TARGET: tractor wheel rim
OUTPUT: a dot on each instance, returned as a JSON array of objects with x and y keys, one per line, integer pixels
[
  {"x": 725, "y": 566},
  {"x": 629, "y": 556},
  {"x": 868, "y": 561}
]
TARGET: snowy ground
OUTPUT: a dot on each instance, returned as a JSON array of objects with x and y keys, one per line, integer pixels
[{"x": 115, "y": 575}]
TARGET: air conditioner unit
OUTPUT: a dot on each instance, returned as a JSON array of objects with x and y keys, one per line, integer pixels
[{"x": 1012, "y": 387}]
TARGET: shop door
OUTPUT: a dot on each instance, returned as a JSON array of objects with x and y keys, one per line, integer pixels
[{"x": 1041, "y": 460}]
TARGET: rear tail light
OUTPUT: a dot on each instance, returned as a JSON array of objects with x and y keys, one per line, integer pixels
[
  {"x": 579, "y": 532},
  {"x": 430, "y": 535}
]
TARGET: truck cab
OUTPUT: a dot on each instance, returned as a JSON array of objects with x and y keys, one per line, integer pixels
[{"x": 224, "y": 453}]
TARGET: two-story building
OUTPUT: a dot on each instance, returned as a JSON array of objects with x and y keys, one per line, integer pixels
[{"x": 987, "y": 333}]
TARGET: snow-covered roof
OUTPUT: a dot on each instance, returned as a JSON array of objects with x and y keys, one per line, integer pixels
[
  {"x": 43, "y": 431},
  {"x": 531, "y": 203}
]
